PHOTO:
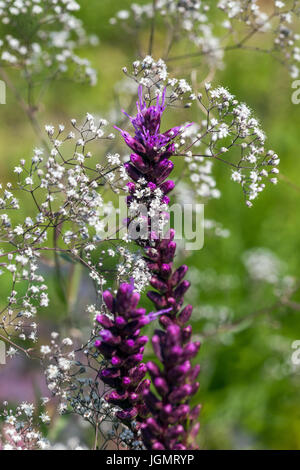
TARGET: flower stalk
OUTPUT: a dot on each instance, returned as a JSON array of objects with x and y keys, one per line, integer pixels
[{"x": 173, "y": 423}]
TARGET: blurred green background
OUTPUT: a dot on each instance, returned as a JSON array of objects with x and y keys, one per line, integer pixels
[{"x": 249, "y": 391}]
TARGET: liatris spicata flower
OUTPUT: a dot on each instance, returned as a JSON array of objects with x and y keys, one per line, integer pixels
[
  {"x": 170, "y": 284},
  {"x": 152, "y": 150},
  {"x": 173, "y": 423},
  {"x": 122, "y": 345}
]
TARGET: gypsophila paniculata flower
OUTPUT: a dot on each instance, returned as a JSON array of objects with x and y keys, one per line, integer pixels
[
  {"x": 231, "y": 135},
  {"x": 79, "y": 377},
  {"x": 65, "y": 187},
  {"x": 19, "y": 427},
  {"x": 72, "y": 375},
  {"x": 274, "y": 25},
  {"x": 237, "y": 24},
  {"x": 153, "y": 76},
  {"x": 48, "y": 42}
]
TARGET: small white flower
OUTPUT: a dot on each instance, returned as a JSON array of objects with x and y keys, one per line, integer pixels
[
  {"x": 11, "y": 420},
  {"x": 18, "y": 170},
  {"x": 236, "y": 176},
  {"x": 45, "y": 350},
  {"x": 45, "y": 418},
  {"x": 19, "y": 230}
]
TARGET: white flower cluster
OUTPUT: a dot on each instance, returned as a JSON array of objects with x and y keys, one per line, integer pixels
[
  {"x": 64, "y": 191},
  {"x": 28, "y": 291},
  {"x": 248, "y": 25},
  {"x": 73, "y": 377},
  {"x": 153, "y": 75},
  {"x": 73, "y": 443},
  {"x": 186, "y": 18},
  {"x": 200, "y": 169},
  {"x": 229, "y": 134},
  {"x": 287, "y": 41},
  {"x": 277, "y": 26},
  {"x": 74, "y": 184},
  {"x": 232, "y": 135},
  {"x": 241, "y": 9},
  {"x": 132, "y": 265},
  {"x": 146, "y": 205},
  {"x": 60, "y": 371},
  {"x": 19, "y": 266},
  {"x": 43, "y": 35},
  {"x": 19, "y": 428},
  {"x": 263, "y": 265}
]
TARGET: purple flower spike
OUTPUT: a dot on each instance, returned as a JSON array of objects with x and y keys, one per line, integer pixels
[
  {"x": 122, "y": 346},
  {"x": 170, "y": 285},
  {"x": 175, "y": 382},
  {"x": 173, "y": 424},
  {"x": 152, "y": 149}
]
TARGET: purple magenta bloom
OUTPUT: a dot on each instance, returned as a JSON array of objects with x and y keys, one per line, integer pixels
[
  {"x": 173, "y": 424},
  {"x": 176, "y": 383},
  {"x": 122, "y": 345},
  {"x": 152, "y": 149},
  {"x": 146, "y": 123}
]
